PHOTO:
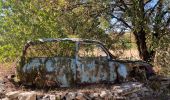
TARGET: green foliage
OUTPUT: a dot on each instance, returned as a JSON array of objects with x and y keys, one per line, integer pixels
[
  {"x": 32, "y": 19},
  {"x": 162, "y": 58},
  {"x": 9, "y": 52},
  {"x": 23, "y": 20}
]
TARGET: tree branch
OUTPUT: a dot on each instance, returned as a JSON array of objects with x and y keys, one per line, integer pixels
[
  {"x": 71, "y": 7},
  {"x": 121, "y": 8},
  {"x": 147, "y": 2},
  {"x": 124, "y": 4},
  {"x": 168, "y": 22},
  {"x": 121, "y": 20},
  {"x": 153, "y": 8}
]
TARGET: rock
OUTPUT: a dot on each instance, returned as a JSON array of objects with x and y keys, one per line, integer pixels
[
  {"x": 11, "y": 76},
  {"x": 2, "y": 91},
  {"x": 39, "y": 97},
  {"x": 52, "y": 97},
  {"x": 70, "y": 96},
  {"x": 2, "y": 88},
  {"x": 49, "y": 97},
  {"x": 134, "y": 96},
  {"x": 119, "y": 98},
  {"x": 1, "y": 81},
  {"x": 2, "y": 95},
  {"x": 110, "y": 95},
  {"x": 103, "y": 94},
  {"x": 5, "y": 98},
  {"x": 13, "y": 95},
  {"x": 27, "y": 96},
  {"x": 116, "y": 87},
  {"x": 145, "y": 89},
  {"x": 137, "y": 98},
  {"x": 106, "y": 94},
  {"x": 63, "y": 95},
  {"x": 80, "y": 96},
  {"x": 45, "y": 97},
  {"x": 145, "y": 94},
  {"x": 94, "y": 95},
  {"x": 58, "y": 96}
]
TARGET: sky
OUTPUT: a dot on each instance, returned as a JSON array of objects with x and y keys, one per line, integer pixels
[
  {"x": 150, "y": 4},
  {"x": 147, "y": 6}
]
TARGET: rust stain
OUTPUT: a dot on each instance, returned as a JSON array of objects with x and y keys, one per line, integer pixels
[{"x": 67, "y": 71}]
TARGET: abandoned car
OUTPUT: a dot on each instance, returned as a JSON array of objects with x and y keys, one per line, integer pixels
[{"x": 66, "y": 62}]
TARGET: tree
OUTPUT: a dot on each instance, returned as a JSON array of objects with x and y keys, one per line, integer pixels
[
  {"x": 149, "y": 22},
  {"x": 147, "y": 19},
  {"x": 32, "y": 19}
]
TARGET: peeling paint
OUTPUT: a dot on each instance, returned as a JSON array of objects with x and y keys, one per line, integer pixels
[
  {"x": 66, "y": 71},
  {"x": 122, "y": 70}
]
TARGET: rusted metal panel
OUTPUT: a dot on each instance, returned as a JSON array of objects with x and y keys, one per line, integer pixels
[
  {"x": 60, "y": 70},
  {"x": 67, "y": 71},
  {"x": 122, "y": 70},
  {"x": 64, "y": 71},
  {"x": 90, "y": 72}
]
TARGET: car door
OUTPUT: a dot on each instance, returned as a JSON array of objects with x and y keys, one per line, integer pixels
[
  {"x": 92, "y": 64},
  {"x": 51, "y": 63}
]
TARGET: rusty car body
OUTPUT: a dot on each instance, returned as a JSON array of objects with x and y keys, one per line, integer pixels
[{"x": 68, "y": 61}]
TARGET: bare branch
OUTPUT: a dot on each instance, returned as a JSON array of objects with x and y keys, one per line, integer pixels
[
  {"x": 168, "y": 22},
  {"x": 121, "y": 8},
  {"x": 152, "y": 9},
  {"x": 163, "y": 14},
  {"x": 124, "y": 4},
  {"x": 121, "y": 20},
  {"x": 147, "y": 2}
]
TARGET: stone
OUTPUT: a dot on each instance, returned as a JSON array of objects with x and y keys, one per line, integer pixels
[
  {"x": 133, "y": 95},
  {"x": 2, "y": 88},
  {"x": 106, "y": 94},
  {"x": 103, "y": 94},
  {"x": 119, "y": 98},
  {"x": 62, "y": 95},
  {"x": 27, "y": 96},
  {"x": 52, "y": 97},
  {"x": 39, "y": 97},
  {"x": 145, "y": 89},
  {"x": 12, "y": 95},
  {"x": 119, "y": 90},
  {"x": 110, "y": 95},
  {"x": 2, "y": 95},
  {"x": 116, "y": 87},
  {"x": 11, "y": 76},
  {"x": 94, "y": 95},
  {"x": 5, "y": 98},
  {"x": 2, "y": 81},
  {"x": 46, "y": 97},
  {"x": 58, "y": 95},
  {"x": 70, "y": 96},
  {"x": 137, "y": 98},
  {"x": 80, "y": 96}
]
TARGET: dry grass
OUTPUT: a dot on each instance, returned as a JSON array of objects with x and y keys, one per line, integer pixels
[{"x": 132, "y": 54}]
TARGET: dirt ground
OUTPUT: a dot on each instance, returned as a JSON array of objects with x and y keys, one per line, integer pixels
[{"x": 5, "y": 73}]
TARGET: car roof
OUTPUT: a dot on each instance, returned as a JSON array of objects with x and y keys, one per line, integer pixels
[
  {"x": 39, "y": 41},
  {"x": 64, "y": 39}
]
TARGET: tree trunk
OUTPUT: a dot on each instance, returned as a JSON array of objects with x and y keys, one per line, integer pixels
[{"x": 141, "y": 44}]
